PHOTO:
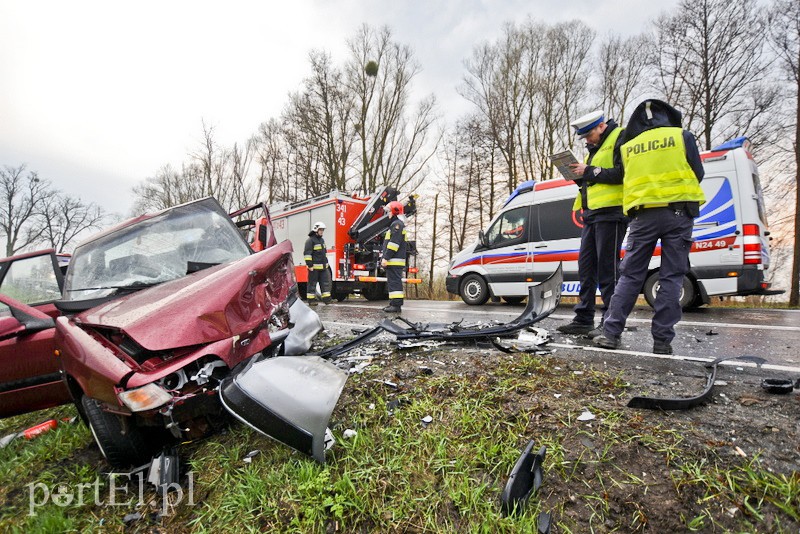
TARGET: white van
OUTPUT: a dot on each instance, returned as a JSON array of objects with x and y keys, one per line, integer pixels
[{"x": 536, "y": 229}]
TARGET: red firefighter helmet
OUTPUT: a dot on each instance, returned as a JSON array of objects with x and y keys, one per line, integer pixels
[{"x": 395, "y": 207}]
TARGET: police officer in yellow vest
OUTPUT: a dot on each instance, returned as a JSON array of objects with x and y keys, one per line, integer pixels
[
  {"x": 604, "y": 223},
  {"x": 315, "y": 255},
  {"x": 662, "y": 194}
]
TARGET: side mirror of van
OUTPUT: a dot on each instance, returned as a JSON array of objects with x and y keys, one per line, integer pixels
[{"x": 482, "y": 238}]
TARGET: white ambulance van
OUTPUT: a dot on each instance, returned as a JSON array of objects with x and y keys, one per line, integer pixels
[{"x": 536, "y": 229}]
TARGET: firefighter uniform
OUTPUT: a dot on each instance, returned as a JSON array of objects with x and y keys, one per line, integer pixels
[
  {"x": 662, "y": 194},
  {"x": 394, "y": 252},
  {"x": 316, "y": 258},
  {"x": 604, "y": 224}
]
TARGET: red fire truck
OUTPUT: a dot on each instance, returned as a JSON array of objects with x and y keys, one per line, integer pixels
[{"x": 355, "y": 229}]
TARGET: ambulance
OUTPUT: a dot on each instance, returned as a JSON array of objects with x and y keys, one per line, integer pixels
[{"x": 536, "y": 230}]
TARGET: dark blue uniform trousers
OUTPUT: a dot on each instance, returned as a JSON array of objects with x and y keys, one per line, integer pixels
[
  {"x": 674, "y": 229},
  {"x": 598, "y": 265}
]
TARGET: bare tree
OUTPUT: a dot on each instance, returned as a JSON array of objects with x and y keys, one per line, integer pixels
[
  {"x": 784, "y": 17},
  {"x": 318, "y": 127},
  {"x": 563, "y": 79},
  {"x": 528, "y": 85},
  {"x": 499, "y": 82},
  {"x": 22, "y": 196},
  {"x": 66, "y": 217},
  {"x": 394, "y": 144},
  {"x": 168, "y": 187},
  {"x": 710, "y": 62},
  {"x": 620, "y": 68}
]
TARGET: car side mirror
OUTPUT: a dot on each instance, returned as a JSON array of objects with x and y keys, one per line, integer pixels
[{"x": 482, "y": 238}]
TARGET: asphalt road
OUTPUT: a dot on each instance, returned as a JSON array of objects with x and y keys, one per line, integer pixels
[{"x": 702, "y": 335}]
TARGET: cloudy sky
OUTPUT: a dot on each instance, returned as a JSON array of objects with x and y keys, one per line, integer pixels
[{"x": 97, "y": 95}]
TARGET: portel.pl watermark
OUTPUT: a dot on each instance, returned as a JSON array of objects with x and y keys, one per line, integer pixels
[{"x": 121, "y": 489}]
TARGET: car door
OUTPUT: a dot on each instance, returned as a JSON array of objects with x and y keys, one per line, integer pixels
[{"x": 30, "y": 376}]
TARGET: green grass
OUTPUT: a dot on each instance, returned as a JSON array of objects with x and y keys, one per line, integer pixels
[{"x": 614, "y": 473}]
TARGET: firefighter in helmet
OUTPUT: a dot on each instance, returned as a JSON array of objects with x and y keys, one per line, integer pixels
[
  {"x": 394, "y": 256},
  {"x": 316, "y": 258}
]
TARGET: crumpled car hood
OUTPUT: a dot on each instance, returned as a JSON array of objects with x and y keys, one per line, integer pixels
[{"x": 203, "y": 307}]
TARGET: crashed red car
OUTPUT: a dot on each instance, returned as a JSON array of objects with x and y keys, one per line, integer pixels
[{"x": 157, "y": 311}]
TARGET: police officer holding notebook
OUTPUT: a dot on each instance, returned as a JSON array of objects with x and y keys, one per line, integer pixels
[
  {"x": 662, "y": 195},
  {"x": 600, "y": 199}
]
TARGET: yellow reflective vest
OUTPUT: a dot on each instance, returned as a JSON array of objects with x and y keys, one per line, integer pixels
[
  {"x": 656, "y": 170},
  {"x": 602, "y": 195}
]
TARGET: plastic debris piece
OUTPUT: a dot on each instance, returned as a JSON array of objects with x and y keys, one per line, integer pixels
[
  {"x": 393, "y": 404},
  {"x": 524, "y": 481},
  {"x": 586, "y": 416},
  {"x": 328, "y": 441},
  {"x": 740, "y": 452},
  {"x": 684, "y": 403},
  {"x": 349, "y": 433},
  {"x": 5, "y": 440},
  {"x": 712, "y": 333},
  {"x": 543, "y": 523},
  {"x": 250, "y": 455},
  {"x": 164, "y": 471},
  {"x": 130, "y": 518},
  {"x": 778, "y": 386},
  {"x": 427, "y": 420},
  {"x": 557, "y": 395},
  {"x": 39, "y": 429}
]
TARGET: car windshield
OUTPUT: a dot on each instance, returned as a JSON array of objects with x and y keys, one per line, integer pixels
[{"x": 168, "y": 246}]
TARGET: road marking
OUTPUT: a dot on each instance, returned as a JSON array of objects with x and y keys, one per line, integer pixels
[
  {"x": 697, "y": 359},
  {"x": 515, "y": 313}
]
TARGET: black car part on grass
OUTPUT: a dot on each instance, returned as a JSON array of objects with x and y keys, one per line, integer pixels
[
  {"x": 778, "y": 386},
  {"x": 524, "y": 480},
  {"x": 684, "y": 403},
  {"x": 341, "y": 348},
  {"x": 542, "y": 300}
]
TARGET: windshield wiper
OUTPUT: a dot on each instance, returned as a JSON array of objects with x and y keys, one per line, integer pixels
[{"x": 133, "y": 286}]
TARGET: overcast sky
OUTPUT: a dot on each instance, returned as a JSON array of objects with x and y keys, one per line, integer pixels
[{"x": 98, "y": 95}]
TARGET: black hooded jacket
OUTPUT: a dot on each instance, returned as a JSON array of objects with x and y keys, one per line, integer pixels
[{"x": 652, "y": 114}]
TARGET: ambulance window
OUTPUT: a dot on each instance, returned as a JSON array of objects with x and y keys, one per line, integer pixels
[
  {"x": 762, "y": 214},
  {"x": 558, "y": 221},
  {"x": 510, "y": 228}
]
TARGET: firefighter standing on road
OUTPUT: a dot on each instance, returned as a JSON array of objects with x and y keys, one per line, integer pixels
[
  {"x": 662, "y": 194},
  {"x": 316, "y": 258},
  {"x": 394, "y": 256},
  {"x": 600, "y": 198}
]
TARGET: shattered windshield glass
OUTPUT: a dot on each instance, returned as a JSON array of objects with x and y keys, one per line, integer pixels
[{"x": 165, "y": 247}]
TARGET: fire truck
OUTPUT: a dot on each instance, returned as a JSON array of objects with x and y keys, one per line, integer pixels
[{"x": 355, "y": 229}]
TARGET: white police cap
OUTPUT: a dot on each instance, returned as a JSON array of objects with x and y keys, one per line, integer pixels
[{"x": 583, "y": 125}]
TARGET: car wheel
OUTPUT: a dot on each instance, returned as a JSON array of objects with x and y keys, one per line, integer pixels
[
  {"x": 513, "y": 300},
  {"x": 120, "y": 449},
  {"x": 688, "y": 291},
  {"x": 474, "y": 290}
]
